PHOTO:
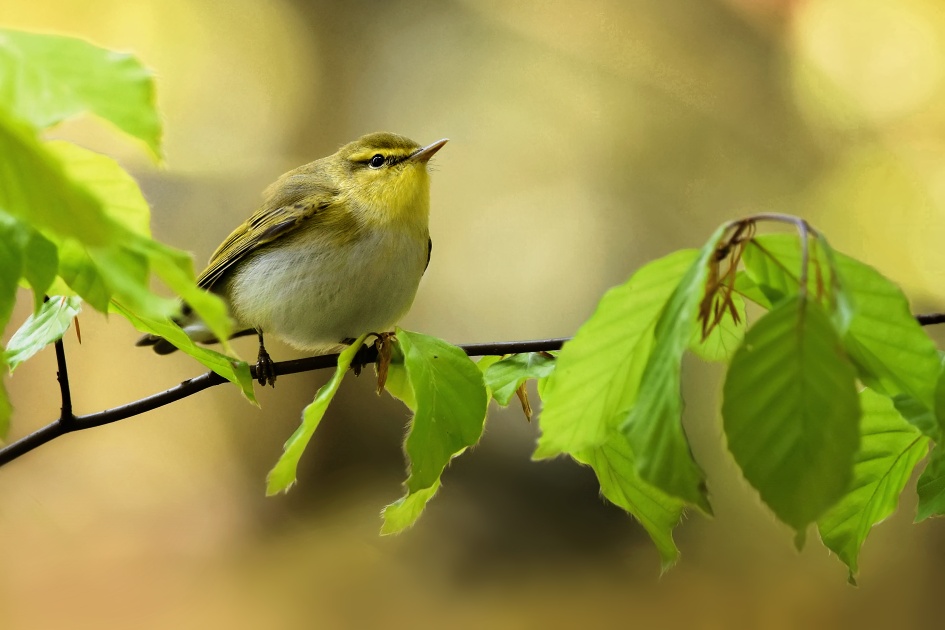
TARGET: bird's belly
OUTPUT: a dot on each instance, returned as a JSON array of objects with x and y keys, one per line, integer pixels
[{"x": 314, "y": 301}]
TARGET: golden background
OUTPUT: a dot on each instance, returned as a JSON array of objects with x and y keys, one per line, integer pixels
[{"x": 586, "y": 138}]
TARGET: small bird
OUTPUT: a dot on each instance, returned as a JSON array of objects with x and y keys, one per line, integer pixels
[{"x": 336, "y": 250}]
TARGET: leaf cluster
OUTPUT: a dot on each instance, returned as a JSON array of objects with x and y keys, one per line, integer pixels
[
  {"x": 829, "y": 402},
  {"x": 73, "y": 223}
]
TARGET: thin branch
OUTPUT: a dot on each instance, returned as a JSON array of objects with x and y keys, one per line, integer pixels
[
  {"x": 62, "y": 375},
  {"x": 68, "y": 422},
  {"x": 930, "y": 319}
]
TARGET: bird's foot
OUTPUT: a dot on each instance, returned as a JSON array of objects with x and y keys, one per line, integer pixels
[{"x": 265, "y": 370}]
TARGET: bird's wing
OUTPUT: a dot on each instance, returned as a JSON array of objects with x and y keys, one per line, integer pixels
[{"x": 280, "y": 215}]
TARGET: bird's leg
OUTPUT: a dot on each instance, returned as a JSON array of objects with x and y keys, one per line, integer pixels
[
  {"x": 265, "y": 373},
  {"x": 382, "y": 343}
]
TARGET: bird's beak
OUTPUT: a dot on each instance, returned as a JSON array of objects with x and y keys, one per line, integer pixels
[{"x": 423, "y": 154}]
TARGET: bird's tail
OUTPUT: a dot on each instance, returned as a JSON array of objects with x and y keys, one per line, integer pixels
[
  {"x": 159, "y": 344},
  {"x": 192, "y": 325}
]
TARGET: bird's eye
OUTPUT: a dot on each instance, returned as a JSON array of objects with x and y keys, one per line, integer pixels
[{"x": 377, "y": 161}]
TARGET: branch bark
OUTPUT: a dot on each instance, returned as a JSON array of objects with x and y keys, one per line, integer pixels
[
  {"x": 68, "y": 422},
  {"x": 930, "y": 319},
  {"x": 62, "y": 375}
]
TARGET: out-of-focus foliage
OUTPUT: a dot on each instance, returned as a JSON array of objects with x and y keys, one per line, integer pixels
[
  {"x": 75, "y": 221},
  {"x": 50, "y": 79}
]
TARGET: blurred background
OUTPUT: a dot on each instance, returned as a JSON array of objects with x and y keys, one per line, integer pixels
[{"x": 586, "y": 138}]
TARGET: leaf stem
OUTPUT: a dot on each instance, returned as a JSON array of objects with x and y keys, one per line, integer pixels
[{"x": 804, "y": 231}]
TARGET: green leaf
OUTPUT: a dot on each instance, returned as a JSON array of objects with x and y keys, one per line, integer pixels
[
  {"x": 49, "y": 78},
  {"x": 890, "y": 448},
  {"x": 40, "y": 266},
  {"x": 749, "y": 289},
  {"x": 485, "y": 362},
  {"x": 117, "y": 191},
  {"x": 931, "y": 486},
  {"x": 233, "y": 370},
  {"x": 542, "y": 386},
  {"x": 791, "y": 412},
  {"x": 890, "y": 349},
  {"x": 939, "y": 406},
  {"x": 892, "y": 353},
  {"x": 93, "y": 217},
  {"x": 450, "y": 402},
  {"x": 122, "y": 270},
  {"x": 917, "y": 414},
  {"x": 404, "y": 512},
  {"x": 97, "y": 217},
  {"x": 13, "y": 238},
  {"x": 80, "y": 274},
  {"x": 773, "y": 263},
  {"x": 35, "y": 188},
  {"x": 6, "y": 410},
  {"x": 99, "y": 275},
  {"x": 175, "y": 269},
  {"x": 41, "y": 329},
  {"x": 508, "y": 374},
  {"x": 99, "y": 257},
  {"x": 598, "y": 372},
  {"x": 614, "y": 464},
  {"x": 723, "y": 340},
  {"x": 398, "y": 380},
  {"x": 451, "y": 405},
  {"x": 654, "y": 424},
  {"x": 283, "y": 474}
]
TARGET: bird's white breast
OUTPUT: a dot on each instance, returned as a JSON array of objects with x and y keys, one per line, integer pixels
[{"x": 314, "y": 296}]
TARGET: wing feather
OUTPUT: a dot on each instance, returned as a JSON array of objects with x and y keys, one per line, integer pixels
[{"x": 283, "y": 212}]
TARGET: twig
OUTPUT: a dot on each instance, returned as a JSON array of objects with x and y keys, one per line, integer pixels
[
  {"x": 69, "y": 422},
  {"x": 930, "y": 319},
  {"x": 62, "y": 375}
]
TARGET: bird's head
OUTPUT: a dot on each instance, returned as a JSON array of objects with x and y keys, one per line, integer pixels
[{"x": 386, "y": 175}]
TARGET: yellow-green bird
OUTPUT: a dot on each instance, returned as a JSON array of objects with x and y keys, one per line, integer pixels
[{"x": 336, "y": 250}]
